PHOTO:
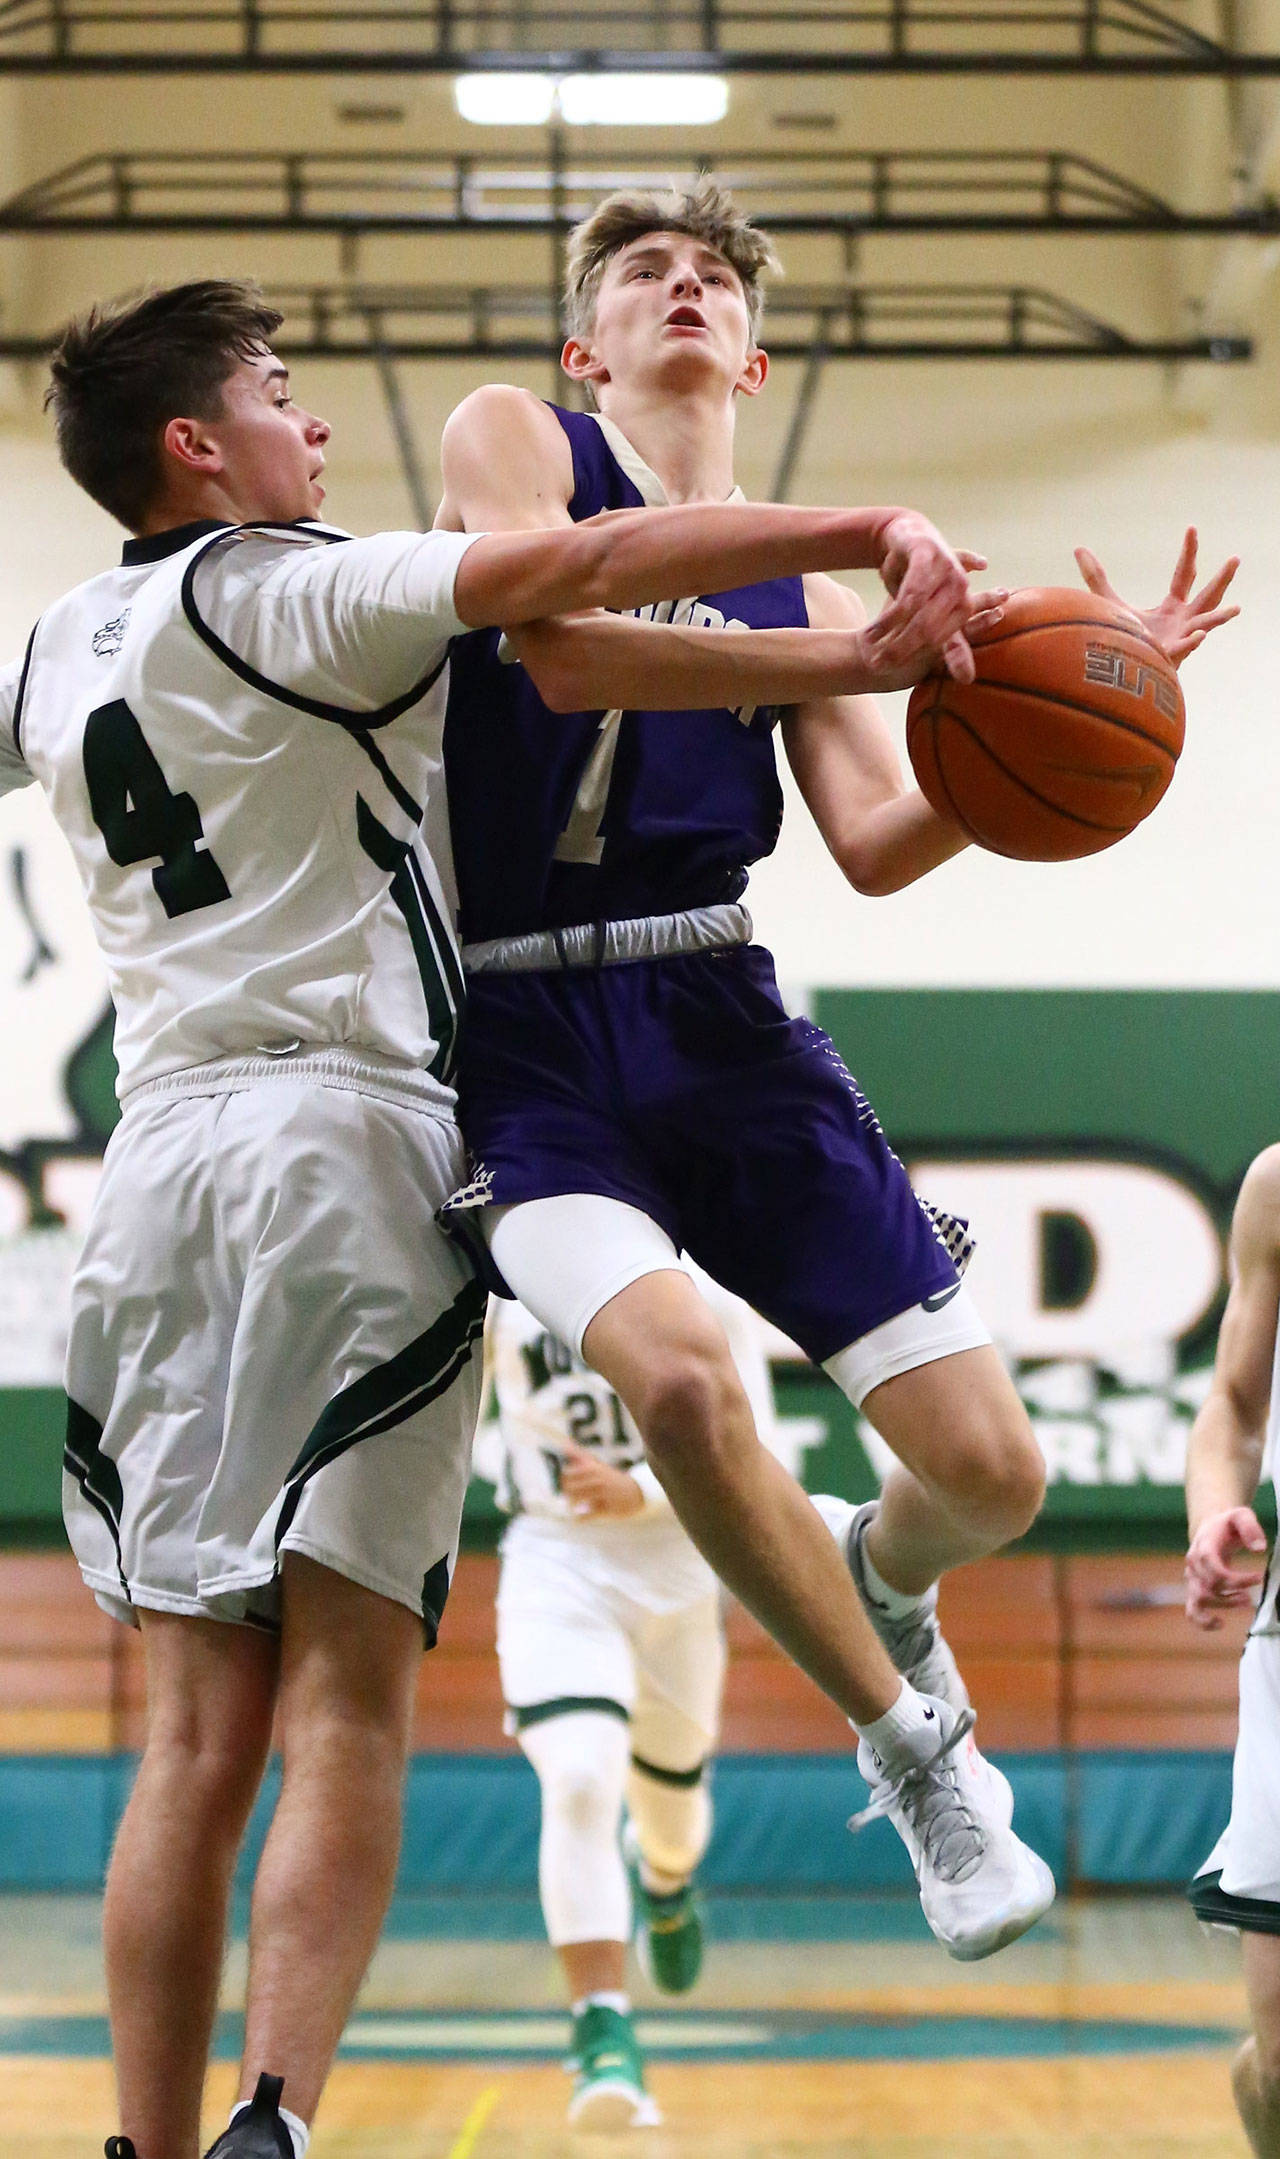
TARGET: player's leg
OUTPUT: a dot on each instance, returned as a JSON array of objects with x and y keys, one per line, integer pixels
[
  {"x": 675, "y": 1722},
  {"x": 606, "y": 1274},
  {"x": 568, "y": 1681},
  {"x": 972, "y": 1476},
  {"x": 152, "y": 1325},
  {"x": 359, "y": 1327},
  {"x": 1255, "y": 2071},
  {"x": 210, "y": 1694},
  {"x": 348, "y": 1670}
]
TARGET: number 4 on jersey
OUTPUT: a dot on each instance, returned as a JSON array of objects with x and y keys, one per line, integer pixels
[{"x": 141, "y": 818}]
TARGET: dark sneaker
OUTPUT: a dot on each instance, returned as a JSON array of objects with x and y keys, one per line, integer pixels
[
  {"x": 608, "y": 2074},
  {"x": 915, "y": 1642},
  {"x": 258, "y": 2133},
  {"x": 669, "y": 1937},
  {"x": 119, "y": 2148}
]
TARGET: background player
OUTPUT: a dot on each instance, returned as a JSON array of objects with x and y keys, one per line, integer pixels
[
  {"x": 271, "y": 1360},
  {"x": 619, "y": 1113},
  {"x": 612, "y": 1654},
  {"x": 1235, "y": 1432}
]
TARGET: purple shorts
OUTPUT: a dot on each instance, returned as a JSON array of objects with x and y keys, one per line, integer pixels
[{"x": 682, "y": 1087}]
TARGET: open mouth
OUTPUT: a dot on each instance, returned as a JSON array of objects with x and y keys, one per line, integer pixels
[{"x": 685, "y": 318}]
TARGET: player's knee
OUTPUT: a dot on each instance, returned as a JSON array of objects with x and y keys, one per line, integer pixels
[
  {"x": 583, "y": 1797},
  {"x": 217, "y": 1772},
  {"x": 1260, "y": 2055},
  {"x": 690, "y": 1399},
  {"x": 996, "y": 1474}
]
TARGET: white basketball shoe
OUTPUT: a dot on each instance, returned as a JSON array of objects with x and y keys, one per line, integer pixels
[{"x": 980, "y": 1885}]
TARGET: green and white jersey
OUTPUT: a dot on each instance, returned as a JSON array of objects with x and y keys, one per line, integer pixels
[{"x": 239, "y": 732}]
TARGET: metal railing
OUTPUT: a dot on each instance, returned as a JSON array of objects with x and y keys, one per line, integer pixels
[
  {"x": 839, "y": 322},
  {"x": 737, "y": 36},
  {"x": 905, "y": 191}
]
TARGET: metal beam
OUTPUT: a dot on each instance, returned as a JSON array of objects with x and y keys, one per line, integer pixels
[
  {"x": 849, "y": 322},
  {"x": 811, "y": 37},
  {"x": 837, "y": 192}
]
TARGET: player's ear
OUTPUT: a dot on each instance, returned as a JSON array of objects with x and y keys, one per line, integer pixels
[
  {"x": 580, "y": 363},
  {"x": 192, "y": 445},
  {"x": 754, "y": 374}
]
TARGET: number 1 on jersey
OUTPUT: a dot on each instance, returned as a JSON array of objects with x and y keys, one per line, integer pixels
[
  {"x": 140, "y": 817},
  {"x": 582, "y": 839}
]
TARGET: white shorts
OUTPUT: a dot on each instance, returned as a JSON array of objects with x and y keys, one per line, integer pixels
[
  {"x": 565, "y": 1258},
  {"x": 272, "y": 1348},
  {"x": 1247, "y": 1854},
  {"x": 568, "y": 1640}
]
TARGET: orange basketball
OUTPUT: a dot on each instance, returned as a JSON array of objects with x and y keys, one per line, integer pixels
[{"x": 1067, "y": 739}]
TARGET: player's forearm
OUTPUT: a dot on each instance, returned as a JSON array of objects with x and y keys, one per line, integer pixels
[
  {"x": 602, "y": 661},
  {"x": 889, "y": 846},
  {"x": 1224, "y": 1460},
  {"x": 625, "y": 558}
]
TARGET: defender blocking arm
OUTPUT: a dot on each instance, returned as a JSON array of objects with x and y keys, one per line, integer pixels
[
  {"x": 506, "y": 465},
  {"x": 1224, "y": 1454},
  {"x": 581, "y": 662}
]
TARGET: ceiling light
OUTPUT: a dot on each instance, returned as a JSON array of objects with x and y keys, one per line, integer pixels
[
  {"x": 603, "y": 100},
  {"x": 643, "y": 100},
  {"x": 505, "y": 100}
]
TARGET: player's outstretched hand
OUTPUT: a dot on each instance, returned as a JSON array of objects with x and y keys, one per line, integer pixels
[
  {"x": 1182, "y": 620},
  {"x": 929, "y": 583},
  {"x": 894, "y": 653},
  {"x": 595, "y": 1487},
  {"x": 1214, "y": 1585}
]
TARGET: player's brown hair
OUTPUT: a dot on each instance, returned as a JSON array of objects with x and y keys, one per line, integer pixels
[
  {"x": 706, "y": 211},
  {"x": 122, "y": 371}
]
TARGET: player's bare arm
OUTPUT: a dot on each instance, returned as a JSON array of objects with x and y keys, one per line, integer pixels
[
  {"x": 581, "y": 662},
  {"x": 1224, "y": 1454},
  {"x": 499, "y": 462},
  {"x": 882, "y": 833},
  {"x": 1182, "y": 620}
]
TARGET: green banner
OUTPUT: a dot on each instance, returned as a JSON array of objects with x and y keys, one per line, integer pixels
[{"x": 1095, "y": 1140}]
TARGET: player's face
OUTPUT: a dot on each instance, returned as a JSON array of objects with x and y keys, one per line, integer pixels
[
  {"x": 272, "y": 451},
  {"x": 670, "y": 307}
]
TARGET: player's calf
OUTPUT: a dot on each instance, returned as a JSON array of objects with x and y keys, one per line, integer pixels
[{"x": 1257, "y": 2097}]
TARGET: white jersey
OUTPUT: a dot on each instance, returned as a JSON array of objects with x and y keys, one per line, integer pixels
[{"x": 239, "y": 732}]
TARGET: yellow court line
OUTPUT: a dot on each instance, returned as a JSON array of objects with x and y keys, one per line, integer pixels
[{"x": 474, "y": 2123}]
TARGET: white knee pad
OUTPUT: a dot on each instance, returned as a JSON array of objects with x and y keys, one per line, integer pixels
[
  {"x": 581, "y": 1761},
  {"x": 671, "y": 1818}
]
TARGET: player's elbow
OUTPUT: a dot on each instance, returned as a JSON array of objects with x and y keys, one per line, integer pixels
[
  {"x": 871, "y": 873},
  {"x": 541, "y": 651}
]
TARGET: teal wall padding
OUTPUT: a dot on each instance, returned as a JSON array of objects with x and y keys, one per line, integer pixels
[
  {"x": 471, "y": 1821},
  {"x": 1147, "y": 1817}
]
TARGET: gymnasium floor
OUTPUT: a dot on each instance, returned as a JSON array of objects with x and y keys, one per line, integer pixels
[{"x": 822, "y": 2026}]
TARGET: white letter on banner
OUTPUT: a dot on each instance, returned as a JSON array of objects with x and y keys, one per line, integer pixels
[{"x": 1159, "y": 1260}]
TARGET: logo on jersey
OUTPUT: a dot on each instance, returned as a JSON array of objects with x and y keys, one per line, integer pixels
[{"x": 108, "y": 640}]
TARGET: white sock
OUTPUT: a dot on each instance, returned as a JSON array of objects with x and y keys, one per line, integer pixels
[
  {"x": 897, "y": 1602},
  {"x": 604, "y": 1998},
  {"x": 297, "y": 2129},
  {"x": 909, "y": 1732}
]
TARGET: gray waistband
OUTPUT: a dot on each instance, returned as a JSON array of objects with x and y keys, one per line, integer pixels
[
  {"x": 609, "y": 944},
  {"x": 361, "y": 1071}
]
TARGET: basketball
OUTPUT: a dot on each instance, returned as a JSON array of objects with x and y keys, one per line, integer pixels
[{"x": 1066, "y": 740}]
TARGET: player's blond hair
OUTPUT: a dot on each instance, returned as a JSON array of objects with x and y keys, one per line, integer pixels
[{"x": 706, "y": 211}]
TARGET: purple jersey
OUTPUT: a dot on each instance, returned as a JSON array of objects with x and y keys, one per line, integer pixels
[{"x": 565, "y": 818}]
